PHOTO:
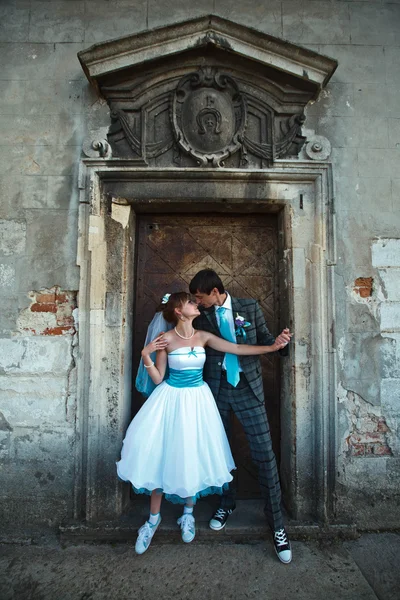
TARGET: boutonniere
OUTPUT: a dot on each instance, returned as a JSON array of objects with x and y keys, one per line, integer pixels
[{"x": 241, "y": 324}]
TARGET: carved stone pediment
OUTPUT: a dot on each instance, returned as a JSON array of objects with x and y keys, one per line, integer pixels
[{"x": 207, "y": 93}]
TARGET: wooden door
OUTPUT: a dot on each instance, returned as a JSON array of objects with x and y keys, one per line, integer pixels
[{"x": 242, "y": 249}]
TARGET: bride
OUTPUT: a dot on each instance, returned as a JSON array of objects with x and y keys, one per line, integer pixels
[{"x": 176, "y": 445}]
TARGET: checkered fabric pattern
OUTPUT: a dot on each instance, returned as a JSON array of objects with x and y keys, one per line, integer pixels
[
  {"x": 251, "y": 413},
  {"x": 256, "y": 333},
  {"x": 246, "y": 401}
]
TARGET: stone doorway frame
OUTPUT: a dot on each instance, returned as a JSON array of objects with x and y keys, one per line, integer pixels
[{"x": 112, "y": 192}]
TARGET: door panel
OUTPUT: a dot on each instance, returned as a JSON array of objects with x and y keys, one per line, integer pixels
[{"x": 242, "y": 249}]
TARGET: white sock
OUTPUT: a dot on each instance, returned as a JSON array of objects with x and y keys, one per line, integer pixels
[
  {"x": 153, "y": 518},
  {"x": 187, "y": 510}
]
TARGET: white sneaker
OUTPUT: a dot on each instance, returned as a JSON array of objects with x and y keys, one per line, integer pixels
[
  {"x": 145, "y": 535},
  {"x": 188, "y": 529}
]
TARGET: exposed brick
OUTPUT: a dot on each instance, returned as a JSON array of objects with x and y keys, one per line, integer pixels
[
  {"x": 369, "y": 443},
  {"x": 65, "y": 320},
  {"x": 58, "y": 330},
  {"x": 370, "y": 436},
  {"x": 66, "y": 297},
  {"x": 357, "y": 449},
  {"x": 382, "y": 450},
  {"x": 369, "y": 449},
  {"x": 50, "y": 313},
  {"x": 363, "y": 286},
  {"x": 45, "y": 298},
  {"x": 365, "y": 292},
  {"x": 64, "y": 309},
  {"x": 62, "y": 298},
  {"x": 43, "y": 308},
  {"x": 64, "y": 314},
  {"x": 367, "y": 437},
  {"x": 382, "y": 426}
]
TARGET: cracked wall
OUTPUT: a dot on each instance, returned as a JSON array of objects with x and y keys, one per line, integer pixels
[
  {"x": 38, "y": 408},
  {"x": 46, "y": 106},
  {"x": 369, "y": 391}
]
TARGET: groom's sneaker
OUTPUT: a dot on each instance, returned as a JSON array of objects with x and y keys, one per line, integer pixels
[
  {"x": 282, "y": 546},
  {"x": 145, "y": 535},
  {"x": 186, "y": 522},
  {"x": 220, "y": 518}
]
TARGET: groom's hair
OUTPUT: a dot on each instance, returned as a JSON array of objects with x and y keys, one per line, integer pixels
[{"x": 205, "y": 281}]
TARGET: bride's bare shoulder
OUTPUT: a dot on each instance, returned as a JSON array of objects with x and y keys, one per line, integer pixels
[
  {"x": 169, "y": 335},
  {"x": 202, "y": 335}
]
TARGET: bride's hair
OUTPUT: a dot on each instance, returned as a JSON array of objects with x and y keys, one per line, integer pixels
[{"x": 176, "y": 300}]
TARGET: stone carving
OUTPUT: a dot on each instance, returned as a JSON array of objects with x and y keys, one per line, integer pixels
[
  {"x": 152, "y": 150},
  {"x": 289, "y": 143},
  {"x": 99, "y": 148},
  {"x": 318, "y": 148},
  {"x": 208, "y": 116}
]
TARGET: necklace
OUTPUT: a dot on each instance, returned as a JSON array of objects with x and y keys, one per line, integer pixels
[{"x": 182, "y": 336}]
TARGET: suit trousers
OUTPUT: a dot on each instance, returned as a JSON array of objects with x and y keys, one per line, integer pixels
[{"x": 253, "y": 417}]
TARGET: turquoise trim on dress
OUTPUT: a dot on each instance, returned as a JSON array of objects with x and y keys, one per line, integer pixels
[
  {"x": 191, "y": 353},
  {"x": 181, "y": 378},
  {"x": 175, "y": 499}
]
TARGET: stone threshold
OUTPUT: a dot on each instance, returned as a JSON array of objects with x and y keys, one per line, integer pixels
[{"x": 246, "y": 524}]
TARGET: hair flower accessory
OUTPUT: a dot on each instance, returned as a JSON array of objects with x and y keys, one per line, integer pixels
[
  {"x": 240, "y": 324},
  {"x": 165, "y": 298}
]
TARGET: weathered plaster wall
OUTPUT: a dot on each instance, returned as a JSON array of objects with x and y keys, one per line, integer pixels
[
  {"x": 46, "y": 109},
  {"x": 359, "y": 113}
]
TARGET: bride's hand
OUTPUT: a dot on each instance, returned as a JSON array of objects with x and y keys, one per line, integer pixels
[
  {"x": 282, "y": 339},
  {"x": 159, "y": 343}
]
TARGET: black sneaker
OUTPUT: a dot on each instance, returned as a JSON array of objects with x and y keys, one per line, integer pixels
[
  {"x": 282, "y": 546},
  {"x": 220, "y": 518}
]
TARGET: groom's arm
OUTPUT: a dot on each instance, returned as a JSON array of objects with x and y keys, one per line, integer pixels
[{"x": 264, "y": 336}]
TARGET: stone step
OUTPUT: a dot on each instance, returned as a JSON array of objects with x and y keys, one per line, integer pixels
[{"x": 246, "y": 524}]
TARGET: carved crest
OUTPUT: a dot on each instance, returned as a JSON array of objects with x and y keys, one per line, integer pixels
[{"x": 208, "y": 116}]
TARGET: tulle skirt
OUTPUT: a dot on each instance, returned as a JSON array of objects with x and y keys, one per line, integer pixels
[{"x": 177, "y": 445}]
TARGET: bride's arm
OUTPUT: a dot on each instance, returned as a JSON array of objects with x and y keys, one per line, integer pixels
[
  {"x": 244, "y": 349},
  {"x": 156, "y": 370}
]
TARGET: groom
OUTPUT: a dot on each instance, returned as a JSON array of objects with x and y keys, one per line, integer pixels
[{"x": 237, "y": 386}]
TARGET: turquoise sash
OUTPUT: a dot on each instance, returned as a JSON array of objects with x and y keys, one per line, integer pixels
[{"x": 185, "y": 378}]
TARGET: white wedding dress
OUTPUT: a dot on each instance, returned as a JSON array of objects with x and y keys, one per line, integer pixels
[{"x": 177, "y": 443}]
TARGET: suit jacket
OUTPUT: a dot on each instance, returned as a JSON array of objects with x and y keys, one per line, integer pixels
[{"x": 256, "y": 334}]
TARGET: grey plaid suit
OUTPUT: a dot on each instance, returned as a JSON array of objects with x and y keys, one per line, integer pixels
[{"x": 246, "y": 400}]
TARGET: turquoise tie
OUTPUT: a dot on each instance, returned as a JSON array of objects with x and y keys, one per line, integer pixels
[{"x": 231, "y": 360}]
